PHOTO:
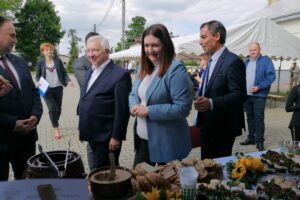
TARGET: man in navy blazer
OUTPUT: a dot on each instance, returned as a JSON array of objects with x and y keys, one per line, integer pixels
[
  {"x": 20, "y": 108},
  {"x": 220, "y": 102},
  {"x": 103, "y": 105}
]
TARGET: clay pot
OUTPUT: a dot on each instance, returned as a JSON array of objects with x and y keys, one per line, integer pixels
[
  {"x": 102, "y": 187},
  {"x": 39, "y": 167}
]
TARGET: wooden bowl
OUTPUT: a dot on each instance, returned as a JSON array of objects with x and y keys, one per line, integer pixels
[{"x": 101, "y": 187}]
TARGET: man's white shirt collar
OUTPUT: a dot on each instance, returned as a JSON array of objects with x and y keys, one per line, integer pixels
[{"x": 101, "y": 67}]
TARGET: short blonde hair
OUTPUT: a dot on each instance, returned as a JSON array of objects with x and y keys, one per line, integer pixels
[{"x": 46, "y": 45}]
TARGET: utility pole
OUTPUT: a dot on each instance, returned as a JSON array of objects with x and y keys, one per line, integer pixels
[
  {"x": 95, "y": 28},
  {"x": 123, "y": 25}
]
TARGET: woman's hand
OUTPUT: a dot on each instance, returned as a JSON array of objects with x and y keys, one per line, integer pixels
[{"x": 139, "y": 110}]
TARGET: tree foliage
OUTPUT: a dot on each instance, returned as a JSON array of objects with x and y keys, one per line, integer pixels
[
  {"x": 37, "y": 22},
  {"x": 74, "y": 49},
  {"x": 9, "y": 7},
  {"x": 136, "y": 29}
]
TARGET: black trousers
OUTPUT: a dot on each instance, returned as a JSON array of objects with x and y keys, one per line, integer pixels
[
  {"x": 17, "y": 158},
  {"x": 142, "y": 154},
  {"x": 53, "y": 100},
  {"x": 295, "y": 132},
  {"x": 215, "y": 147},
  {"x": 101, "y": 154}
]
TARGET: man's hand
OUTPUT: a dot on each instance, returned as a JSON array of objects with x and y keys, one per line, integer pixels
[
  {"x": 71, "y": 84},
  {"x": 114, "y": 144},
  {"x": 33, "y": 120},
  {"x": 5, "y": 86},
  {"x": 26, "y": 125},
  {"x": 254, "y": 89},
  {"x": 202, "y": 104},
  {"x": 139, "y": 110}
]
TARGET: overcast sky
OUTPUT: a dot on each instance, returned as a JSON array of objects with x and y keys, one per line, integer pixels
[{"x": 180, "y": 16}]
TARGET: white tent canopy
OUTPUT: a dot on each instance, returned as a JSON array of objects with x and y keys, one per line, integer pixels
[{"x": 275, "y": 41}]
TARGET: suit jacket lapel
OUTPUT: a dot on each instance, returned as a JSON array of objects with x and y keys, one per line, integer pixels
[
  {"x": 156, "y": 80},
  {"x": 104, "y": 73},
  {"x": 216, "y": 70},
  {"x": 86, "y": 80},
  {"x": 43, "y": 68}
]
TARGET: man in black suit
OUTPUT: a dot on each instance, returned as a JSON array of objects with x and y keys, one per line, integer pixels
[
  {"x": 220, "y": 101},
  {"x": 20, "y": 108},
  {"x": 80, "y": 67},
  {"x": 103, "y": 105}
]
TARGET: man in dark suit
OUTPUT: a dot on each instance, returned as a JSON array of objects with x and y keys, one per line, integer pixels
[
  {"x": 20, "y": 108},
  {"x": 220, "y": 101},
  {"x": 103, "y": 105},
  {"x": 80, "y": 67}
]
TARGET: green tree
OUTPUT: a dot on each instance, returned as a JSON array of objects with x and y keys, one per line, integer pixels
[
  {"x": 74, "y": 49},
  {"x": 136, "y": 29},
  {"x": 37, "y": 22},
  {"x": 9, "y": 7}
]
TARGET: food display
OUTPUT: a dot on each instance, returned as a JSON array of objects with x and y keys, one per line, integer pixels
[
  {"x": 269, "y": 176},
  {"x": 167, "y": 176},
  {"x": 280, "y": 162},
  {"x": 278, "y": 187}
]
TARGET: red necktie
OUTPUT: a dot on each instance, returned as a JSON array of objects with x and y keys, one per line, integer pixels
[{"x": 10, "y": 74}]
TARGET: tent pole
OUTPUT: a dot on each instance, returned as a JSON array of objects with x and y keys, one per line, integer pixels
[{"x": 279, "y": 69}]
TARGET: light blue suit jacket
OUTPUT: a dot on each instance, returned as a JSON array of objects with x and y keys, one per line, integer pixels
[{"x": 169, "y": 100}]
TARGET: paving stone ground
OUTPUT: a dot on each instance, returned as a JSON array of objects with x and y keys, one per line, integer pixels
[{"x": 276, "y": 120}]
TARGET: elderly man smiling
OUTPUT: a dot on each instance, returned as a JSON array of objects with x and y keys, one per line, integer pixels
[{"x": 103, "y": 105}]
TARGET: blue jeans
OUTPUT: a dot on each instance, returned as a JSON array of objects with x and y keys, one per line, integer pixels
[{"x": 255, "y": 110}]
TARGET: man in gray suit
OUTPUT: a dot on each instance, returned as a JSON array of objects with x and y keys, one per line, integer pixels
[{"x": 80, "y": 67}]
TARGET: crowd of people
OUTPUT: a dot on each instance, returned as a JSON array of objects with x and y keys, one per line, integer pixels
[{"x": 160, "y": 99}]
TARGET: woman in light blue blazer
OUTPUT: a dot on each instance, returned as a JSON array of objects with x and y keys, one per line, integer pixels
[{"x": 160, "y": 99}]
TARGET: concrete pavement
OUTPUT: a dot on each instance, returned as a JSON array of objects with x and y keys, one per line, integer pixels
[{"x": 276, "y": 119}]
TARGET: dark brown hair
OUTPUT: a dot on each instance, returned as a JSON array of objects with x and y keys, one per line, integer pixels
[
  {"x": 90, "y": 34},
  {"x": 215, "y": 27},
  {"x": 3, "y": 20},
  {"x": 168, "y": 52}
]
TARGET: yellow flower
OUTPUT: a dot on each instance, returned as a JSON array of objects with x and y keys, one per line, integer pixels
[
  {"x": 239, "y": 171},
  {"x": 153, "y": 195},
  {"x": 252, "y": 163},
  {"x": 169, "y": 194}
]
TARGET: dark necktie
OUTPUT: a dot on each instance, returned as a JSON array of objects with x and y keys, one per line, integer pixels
[
  {"x": 10, "y": 74},
  {"x": 206, "y": 77}
]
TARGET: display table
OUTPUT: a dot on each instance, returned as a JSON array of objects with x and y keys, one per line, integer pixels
[
  {"x": 72, "y": 189},
  {"x": 75, "y": 189}
]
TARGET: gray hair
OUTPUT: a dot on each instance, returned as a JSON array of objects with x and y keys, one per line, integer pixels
[
  {"x": 103, "y": 41},
  {"x": 216, "y": 27}
]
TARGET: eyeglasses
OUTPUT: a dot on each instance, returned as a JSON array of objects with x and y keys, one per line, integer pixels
[{"x": 93, "y": 50}]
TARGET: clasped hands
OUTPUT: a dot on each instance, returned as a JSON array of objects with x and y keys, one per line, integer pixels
[
  {"x": 202, "y": 104},
  {"x": 24, "y": 126},
  {"x": 139, "y": 110}
]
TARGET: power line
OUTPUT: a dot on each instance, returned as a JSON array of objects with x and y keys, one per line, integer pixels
[{"x": 107, "y": 12}]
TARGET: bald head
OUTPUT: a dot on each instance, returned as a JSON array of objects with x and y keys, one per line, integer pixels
[{"x": 254, "y": 50}]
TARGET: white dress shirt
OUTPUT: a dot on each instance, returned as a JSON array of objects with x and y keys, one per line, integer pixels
[{"x": 96, "y": 72}]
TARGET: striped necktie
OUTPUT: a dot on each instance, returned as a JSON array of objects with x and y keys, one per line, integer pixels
[{"x": 10, "y": 74}]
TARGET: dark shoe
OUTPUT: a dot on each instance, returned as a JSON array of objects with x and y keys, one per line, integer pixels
[
  {"x": 247, "y": 142},
  {"x": 260, "y": 146}
]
